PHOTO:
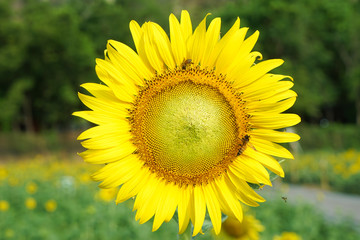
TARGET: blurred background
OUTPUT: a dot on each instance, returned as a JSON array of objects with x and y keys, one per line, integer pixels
[{"x": 48, "y": 48}]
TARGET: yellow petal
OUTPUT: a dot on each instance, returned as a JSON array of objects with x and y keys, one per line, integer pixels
[
  {"x": 167, "y": 205},
  {"x": 241, "y": 173},
  {"x": 275, "y": 136},
  {"x": 147, "y": 199},
  {"x": 230, "y": 50},
  {"x": 211, "y": 38},
  {"x": 197, "y": 41},
  {"x": 150, "y": 49},
  {"x": 219, "y": 46},
  {"x": 257, "y": 91},
  {"x": 105, "y": 129},
  {"x": 185, "y": 25},
  {"x": 105, "y": 107},
  {"x": 119, "y": 172},
  {"x": 213, "y": 207},
  {"x": 121, "y": 86},
  {"x": 104, "y": 76},
  {"x": 271, "y": 108},
  {"x": 244, "y": 187},
  {"x": 101, "y": 91},
  {"x": 275, "y": 121},
  {"x": 247, "y": 167},
  {"x": 266, "y": 160},
  {"x": 280, "y": 96},
  {"x": 242, "y": 60},
  {"x": 270, "y": 148},
  {"x": 127, "y": 74},
  {"x": 247, "y": 45},
  {"x": 132, "y": 187},
  {"x": 161, "y": 41},
  {"x": 106, "y": 56},
  {"x": 257, "y": 71},
  {"x": 227, "y": 199},
  {"x": 114, "y": 74},
  {"x": 184, "y": 208},
  {"x": 138, "y": 36},
  {"x": 98, "y": 118},
  {"x": 131, "y": 62},
  {"x": 108, "y": 155},
  {"x": 107, "y": 140},
  {"x": 178, "y": 45},
  {"x": 199, "y": 208},
  {"x": 240, "y": 193},
  {"x": 241, "y": 68},
  {"x": 136, "y": 33},
  {"x": 267, "y": 80}
]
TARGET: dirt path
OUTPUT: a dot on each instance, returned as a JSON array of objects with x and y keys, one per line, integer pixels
[{"x": 334, "y": 205}]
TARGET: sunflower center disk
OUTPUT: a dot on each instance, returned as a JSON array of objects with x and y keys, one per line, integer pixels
[
  {"x": 188, "y": 131},
  {"x": 192, "y": 128}
]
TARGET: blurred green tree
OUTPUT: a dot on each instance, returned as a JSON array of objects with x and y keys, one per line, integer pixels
[{"x": 48, "y": 48}]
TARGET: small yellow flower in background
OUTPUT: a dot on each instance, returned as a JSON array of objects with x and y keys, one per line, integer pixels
[
  {"x": 30, "y": 203},
  {"x": 4, "y": 205},
  {"x": 107, "y": 195},
  {"x": 248, "y": 229},
  {"x": 350, "y": 154},
  {"x": 187, "y": 121},
  {"x": 9, "y": 233},
  {"x": 84, "y": 178},
  {"x": 350, "y": 164},
  {"x": 3, "y": 173},
  {"x": 288, "y": 236},
  {"x": 50, "y": 205},
  {"x": 31, "y": 188}
]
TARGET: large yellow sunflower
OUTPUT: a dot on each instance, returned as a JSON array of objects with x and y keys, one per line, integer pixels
[{"x": 184, "y": 124}]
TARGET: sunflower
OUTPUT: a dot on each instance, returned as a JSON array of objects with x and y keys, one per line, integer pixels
[
  {"x": 248, "y": 229},
  {"x": 288, "y": 236},
  {"x": 185, "y": 123}
]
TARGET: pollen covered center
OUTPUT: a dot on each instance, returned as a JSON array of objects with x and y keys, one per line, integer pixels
[
  {"x": 185, "y": 127},
  {"x": 190, "y": 128}
]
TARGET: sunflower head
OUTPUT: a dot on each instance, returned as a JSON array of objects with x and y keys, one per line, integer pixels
[
  {"x": 288, "y": 236},
  {"x": 248, "y": 229},
  {"x": 186, "y": 123}
]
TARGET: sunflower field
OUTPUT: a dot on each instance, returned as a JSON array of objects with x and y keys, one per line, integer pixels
[
  {"x": 53, "y": 197},
  {"x": 339, "y": 171}
]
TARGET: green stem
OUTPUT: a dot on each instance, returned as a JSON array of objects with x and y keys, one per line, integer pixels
[{"x": 187, "y": 234}]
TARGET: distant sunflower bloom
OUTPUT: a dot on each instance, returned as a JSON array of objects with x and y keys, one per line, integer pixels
[
  {"x": 107, "y": 195},
  {"x": 50, "y": 205},
  {"x": 30, "y": 203},
  {"x": 187, "y": 122},
  {"x": 248, "y": 229},
  {"x": 4, "y": 205},
  {"x": 288, "y": 236},
  {"x": 31, "y": 188},
  {"x": 3, "y": 173}
]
